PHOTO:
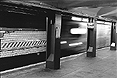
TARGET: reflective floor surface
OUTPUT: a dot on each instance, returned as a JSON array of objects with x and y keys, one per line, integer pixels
[{"x": 78, "y": 66}]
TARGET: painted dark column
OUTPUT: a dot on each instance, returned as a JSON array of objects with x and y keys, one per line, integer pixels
[
  {"x": 113, "y": 37},
  {"x": 1, "y": 35},
  {"x": 91, "y": 37},
  {"x": 53, "y": 41}
]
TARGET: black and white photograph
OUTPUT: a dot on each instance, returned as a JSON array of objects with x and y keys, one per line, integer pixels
[{"x": 58, "y": 38}]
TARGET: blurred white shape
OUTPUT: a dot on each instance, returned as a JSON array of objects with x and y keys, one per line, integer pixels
[
  {"x": 113, "y": 44},
  {"x": 2, "y": 31},
  {"x": 78, "y": 31},
  {"x": 76, "y": 18},
  {"x": 75, "y": 44},
  {"x": 63, "y": 42},
  {"x": 85, "y": 19},
  {"x": 90, "y": 24}
]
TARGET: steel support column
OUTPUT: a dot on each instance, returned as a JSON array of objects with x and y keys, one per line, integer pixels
[
  {"x": 53, "y": 41},
  {"x": 91, "y": 37},
  {"x": 113, "y": 36}
]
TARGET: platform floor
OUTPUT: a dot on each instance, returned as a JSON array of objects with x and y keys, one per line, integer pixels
[{"x": 102, "y": 66}]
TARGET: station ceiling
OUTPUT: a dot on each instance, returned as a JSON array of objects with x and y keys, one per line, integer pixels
[
  {"x": 68, "y": 4},
  {"x": 90, "y": 7}
]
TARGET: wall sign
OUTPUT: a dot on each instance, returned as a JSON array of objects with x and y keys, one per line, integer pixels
[
  {"x": 90, "y": 25},
  {"x": 58, "y": 25}
]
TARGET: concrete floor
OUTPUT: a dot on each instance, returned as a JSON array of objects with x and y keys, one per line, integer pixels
[{"x": 102, "y": 66}]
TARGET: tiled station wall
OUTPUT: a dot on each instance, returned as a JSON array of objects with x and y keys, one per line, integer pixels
[
  {"x": 103, "y": 35},
  {"x": 27, "y": 42},
  {"x": 22, "y": 43}
]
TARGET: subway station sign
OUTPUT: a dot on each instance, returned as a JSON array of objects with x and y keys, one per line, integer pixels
[{"x": 116, "y": 27}]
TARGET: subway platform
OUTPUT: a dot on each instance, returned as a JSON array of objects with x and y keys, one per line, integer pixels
[{"x": 104, "y": 65}]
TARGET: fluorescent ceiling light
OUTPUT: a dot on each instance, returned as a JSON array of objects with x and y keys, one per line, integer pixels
[
  {"x": 108, "y": 23},
  {"x": 102, "y": 22},
  {"x": 75, "y": 44},
  {"x": 113, "y": 44},
  {"x": 63, "y": 42},
  {"x": 76, "y": 18},
  {"x": 78, "y": 31}
]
